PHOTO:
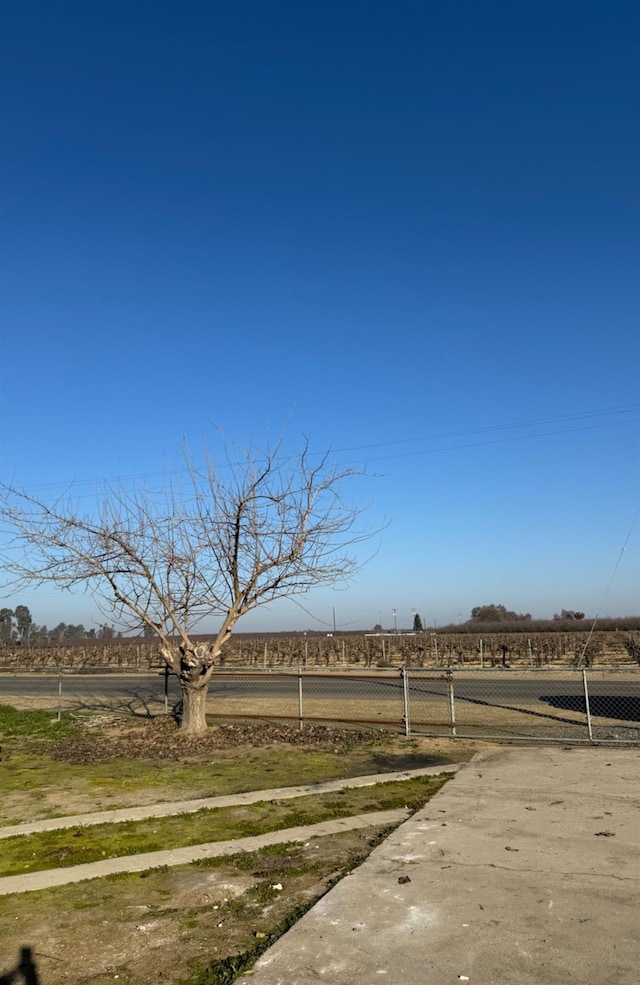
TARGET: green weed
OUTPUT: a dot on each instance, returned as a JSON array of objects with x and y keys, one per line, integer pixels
[
  {"x": 34, "y": 724},
  {"x": 67, "y": 847}
]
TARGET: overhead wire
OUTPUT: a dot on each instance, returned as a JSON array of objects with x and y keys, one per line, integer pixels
[
  {"x": 397, "y": 442},
  {"x": 608, "y": 588},
  {"x": 498, "y": 441}
]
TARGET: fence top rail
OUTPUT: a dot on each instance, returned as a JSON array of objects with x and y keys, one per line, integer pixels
[
  {"x": 517, "y": 671},
  {"x": 157, "y": 671},
  {"x": 380, "y": 673},
  {"x": 295, "y": 672}
]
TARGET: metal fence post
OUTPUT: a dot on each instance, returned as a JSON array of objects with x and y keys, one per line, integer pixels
[
  {"x": 300, "y": 718},
  {"x": 586, "y": 703},
  {"x": 405, "y": 693},
  {"x": 452, "y": 702},
  {"x": 59, "y": 718}
]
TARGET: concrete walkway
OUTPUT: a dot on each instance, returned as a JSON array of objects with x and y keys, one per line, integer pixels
[
  {"x": 525, "y": 870},
  {"x": 183, "y": 856},
  {"x": 170, "y": 808},
  {"x": 48, "y": 878}
]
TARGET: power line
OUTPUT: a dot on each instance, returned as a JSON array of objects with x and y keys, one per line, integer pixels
[
  {"x": 499, "y": 441},
  {"x": 396, "y": 442},
  {"x": 608, "y": 588},
  {"x": 534, "y": 422}
]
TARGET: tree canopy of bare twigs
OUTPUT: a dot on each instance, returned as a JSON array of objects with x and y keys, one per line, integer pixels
[{"x": 236, "y": 533}]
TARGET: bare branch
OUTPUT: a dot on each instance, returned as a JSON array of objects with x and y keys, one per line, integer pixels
[{"x": 248, "y": 529}]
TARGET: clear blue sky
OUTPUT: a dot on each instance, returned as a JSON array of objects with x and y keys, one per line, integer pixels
[{"x": 408, "y": 230}]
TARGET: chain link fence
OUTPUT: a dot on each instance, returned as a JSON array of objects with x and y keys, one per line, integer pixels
[
  {"x": 572, "y": 705},
  {"x": 595, "y": 704}
]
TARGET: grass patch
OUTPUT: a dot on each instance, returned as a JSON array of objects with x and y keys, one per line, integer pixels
[
  {"x": 36, "y": 783},
  {"x": 34, "y": 724},
  {"x": 75, "y": 846},
  {"x": 33, "y": 786}
]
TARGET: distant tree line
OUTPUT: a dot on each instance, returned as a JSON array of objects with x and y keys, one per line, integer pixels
[
  {"x": 497, "y": 613},
  {"x": 568, "y": 614},
  {"x": 495, "y": 617},
  {"x": 17, "y": 627}
]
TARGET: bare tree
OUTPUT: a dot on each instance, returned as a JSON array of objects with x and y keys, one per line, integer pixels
[{"x": 238, "y": 533}]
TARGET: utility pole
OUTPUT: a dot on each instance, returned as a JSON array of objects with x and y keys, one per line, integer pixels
[{"x": 395, "y": 620}]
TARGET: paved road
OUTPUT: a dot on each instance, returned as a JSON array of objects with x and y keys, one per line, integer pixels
[{"x": 556, "y": 690}]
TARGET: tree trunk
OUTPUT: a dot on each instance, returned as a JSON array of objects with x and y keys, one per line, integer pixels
[{"x": 193, "y": 721}]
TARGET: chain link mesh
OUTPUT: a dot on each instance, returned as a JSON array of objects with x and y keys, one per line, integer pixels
[{"x": 568, "y": 704}]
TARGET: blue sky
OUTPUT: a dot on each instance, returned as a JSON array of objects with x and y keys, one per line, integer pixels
[{"x": 408, "y": 231}]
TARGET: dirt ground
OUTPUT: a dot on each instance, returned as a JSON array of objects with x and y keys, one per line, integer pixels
[
  {"x": 106, "y": 738},
  {"x": 168, "y": 925}
]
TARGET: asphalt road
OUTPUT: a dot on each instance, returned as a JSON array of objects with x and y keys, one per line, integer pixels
[{"x": 555, "y": 690}]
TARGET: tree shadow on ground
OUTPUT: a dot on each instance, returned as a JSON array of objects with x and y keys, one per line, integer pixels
[
  {"x": 136, "y": 706},
  {"x": 392, "y": 762},
  {"x": 25, "y": 971},
  {"x": 520, "y": 709},
  {"x": 623, "y": 707}
]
